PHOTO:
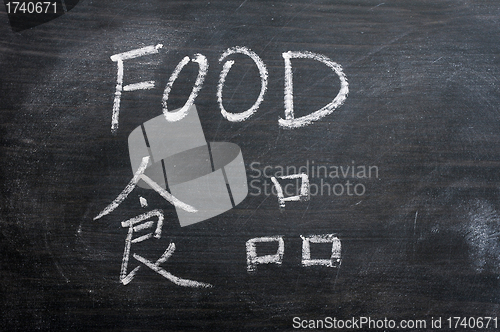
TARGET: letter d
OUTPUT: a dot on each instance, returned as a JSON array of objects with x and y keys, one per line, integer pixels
[{"x": 290, "y": 121}]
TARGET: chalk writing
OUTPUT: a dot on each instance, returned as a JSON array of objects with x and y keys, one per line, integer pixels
[
  {"x": 304, "y": 194},
  {"x": 202, "y": 71},
  {"x": 288, "y": 122},
  {"x": 138, "y": 224},
  {"x": 225, "y": 70},
  {"x": 253, "y": 260},
  {"x": 326, "y": 238},
  {"x": 139, "y": 175},
  {"x": 118, "y": 58}
]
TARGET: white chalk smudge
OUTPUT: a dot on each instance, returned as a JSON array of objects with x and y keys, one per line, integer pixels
[
  {"x": 482, "y": 234},
  {"x": 222, "y": 79},
  {"x": 143, "y": 201},
  {"x": 290, "y": 121},
  {"x": 202, "y": 72}
]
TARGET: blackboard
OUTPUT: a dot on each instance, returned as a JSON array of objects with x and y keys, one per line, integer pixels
[{"x": 419, "y": 238}]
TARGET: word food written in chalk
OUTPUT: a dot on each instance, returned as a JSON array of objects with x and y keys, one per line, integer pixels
[{"x": 290, "y": 121}]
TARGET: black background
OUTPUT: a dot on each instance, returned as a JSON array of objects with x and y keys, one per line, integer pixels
[{"x": 422, "y": 242}]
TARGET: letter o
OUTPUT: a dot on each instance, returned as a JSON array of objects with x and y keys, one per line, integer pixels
[
  {"x": 202, "y": 72},
  {"x": 222, "y": 79}
]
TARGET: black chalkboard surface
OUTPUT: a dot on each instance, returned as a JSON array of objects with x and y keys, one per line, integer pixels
[{"x": 388, "y": 109}]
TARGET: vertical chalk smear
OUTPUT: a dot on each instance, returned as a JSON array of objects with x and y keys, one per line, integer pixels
[
  {"x": 222, "y": 79},
  {"x": 202, "y": 72},
  {"x": 290, "y": 121},
  {"x": 481, "y": 233},
  {"x": 279, "y": 191},
  {"x": 118, "y": 94},
  {"x": 118, "y": 58}
]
